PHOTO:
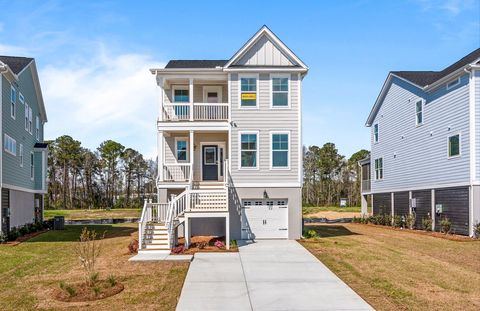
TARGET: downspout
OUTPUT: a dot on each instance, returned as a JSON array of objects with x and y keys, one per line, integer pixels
[{"x": 472, "y": 144}]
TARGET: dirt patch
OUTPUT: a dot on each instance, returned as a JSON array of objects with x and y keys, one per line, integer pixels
[
  {"x": 333, "y": 215},
  {"x": 82, "y": 292},
  {"x": 205, "y": 244}
]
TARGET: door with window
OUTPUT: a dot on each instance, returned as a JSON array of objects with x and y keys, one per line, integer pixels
[{"x": 210, "y": 162}]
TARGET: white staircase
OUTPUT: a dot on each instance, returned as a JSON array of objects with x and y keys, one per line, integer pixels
[{"x": 156, "y": 237}]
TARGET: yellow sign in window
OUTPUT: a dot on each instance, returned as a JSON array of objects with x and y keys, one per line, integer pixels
[{"x": 249, "y": 96}]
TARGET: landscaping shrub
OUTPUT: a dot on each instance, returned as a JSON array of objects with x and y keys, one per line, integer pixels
[
  {"x": 427, "y": 224},
  {"x": 397, "y": 221},
  {"x": 219, "y": 244},
  {"x": 309, "y": 234},
  {"x": 70, "y": 290},
  {"x": 201, "y": 245},
  {"x": 3, "y": 237},
  {"x": 410, "y": 221},
  {"x": 445, "y": 225},
  {"x": 133, "y": 247},
  {"x": 88, "y": 249},
  {"x": 233, "y": 244},
  {"x": 112, "y": 280},
  {"x": 178, "y": 250},
  {"x": 476, "y": 230}
]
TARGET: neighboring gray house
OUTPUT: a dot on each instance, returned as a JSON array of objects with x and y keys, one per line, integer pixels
[
  {"x": 24, "y": 158},
  {"x": 425, "y": 145},
  {"x": 229, "y": 147}
]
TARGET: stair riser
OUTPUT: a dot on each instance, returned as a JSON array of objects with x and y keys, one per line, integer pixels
[
  {"x": 156, "y": 242},
  {"x": 159, "y": 247},
  {"x": 156, "y": 237}
]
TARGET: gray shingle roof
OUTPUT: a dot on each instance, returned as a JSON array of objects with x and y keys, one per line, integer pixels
[
  {"x": 16, "y": 63},
  {"x": 424, "y": 78},
  {"x": 183, "y": 63}
]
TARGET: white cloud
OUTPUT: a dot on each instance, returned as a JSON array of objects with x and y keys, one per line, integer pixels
[
  {"x": 6, "y": 49},
  {"x": 452, "y": 7},
  {"x": 103, "y": 97}
]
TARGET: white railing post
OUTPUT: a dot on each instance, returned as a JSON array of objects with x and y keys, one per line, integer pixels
[{"x": 190, "y": 97}]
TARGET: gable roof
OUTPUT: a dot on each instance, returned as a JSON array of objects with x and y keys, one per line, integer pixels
[
  {"x": 183, "y": 63},
  {"x": 423, "y": 79},
  {"x": 16, "y": 64}
]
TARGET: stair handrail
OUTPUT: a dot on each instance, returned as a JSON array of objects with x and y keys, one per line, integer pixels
[
  {"x": 176, "y": 208},
  {"x": 142, "y": 223}
]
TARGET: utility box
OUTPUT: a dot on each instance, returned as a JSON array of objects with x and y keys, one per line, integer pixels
[
  {"x": 58, "y": 223},
  {"x": 343, "y": 202},
  {"x": 438, "y": 208}
]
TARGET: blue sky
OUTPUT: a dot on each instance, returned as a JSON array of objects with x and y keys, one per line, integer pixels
[{"x": 93, "y": 56}]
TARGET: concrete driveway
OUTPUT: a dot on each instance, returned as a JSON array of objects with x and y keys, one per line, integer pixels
[{"x": 266, "y": 275}]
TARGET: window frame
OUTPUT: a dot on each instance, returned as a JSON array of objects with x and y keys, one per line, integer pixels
[
  {"x": 21, "y": 98},
  {"x": 37, "y": 128},
  {"x": 6, "y": 138},
  {"x": 30, "y": 120},
  {"x": 459, "y": 134},
  {"x": 180, "y": 87},
  {"x": 376, "y": 134},
  {"x": 32, "y": 166},
  {"x": 20, "y": 154},
  {"x": 421, "y": 112},
  {"x": 26, "y": 116},
  {"x": 257, "y": 150},
  {"x": 257, "y": 91},
  {"x": 453, "y": 83},
  {"x": 278, "y": 75},
  {"x": 13, "y": 102},
  {"x": 185, "y": 139},
  {"x": 376, "y": 170},
  {"x": 288, "y": 150}
]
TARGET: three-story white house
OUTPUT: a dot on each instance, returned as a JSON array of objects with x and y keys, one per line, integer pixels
[
  {"x": 229, "y": 147},
  {"x": 425, "y": 146}
]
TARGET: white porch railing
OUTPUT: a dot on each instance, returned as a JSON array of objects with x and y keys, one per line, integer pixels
[
  {"x": 152, "y": 212},
  {"x": 208, "y": 201},
  {"x": 177, "y": 172},
  {"x": 201, "y": 112}
]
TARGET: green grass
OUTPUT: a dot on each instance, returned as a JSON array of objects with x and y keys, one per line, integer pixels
[
  {"x": 94, "y": 213},
  {"x": 32, "y": 269},
  {"x": 315, "y": 209}
]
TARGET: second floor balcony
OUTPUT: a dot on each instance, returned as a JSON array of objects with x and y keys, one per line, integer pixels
[{"x": 195, "y": 112}]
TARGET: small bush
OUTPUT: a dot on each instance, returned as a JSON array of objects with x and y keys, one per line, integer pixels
[
  {"x": 476, "y": 230},
  {"x": 201, "y": 245},
  {"x": 427, "y": 224},
  {"x": 112, "y": 280},
  {"x": 410, "y": 221},
  {"x": 233, "y": 244},
  {"x": 62, "y": 285},
  {"x": 445, "y": 225},
  {"x": 97, "y": 290},
  {"x": 309, "y": 234},
  {"x": 70, "y": 290},
  {"x": 133, "y": 247},
  {"x": 219, "y": 244},
  {"x": 13, "y": 234},
  {"x": 93, "y": 279},
  {"x": 397, "y": 221},
  {"x": 3, "y": 237},
  {"x": 178, "y": 250}
]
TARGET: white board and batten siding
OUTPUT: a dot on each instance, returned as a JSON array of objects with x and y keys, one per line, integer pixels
[
  {"x": 477, "y": 122},
  {"x": 265, "y": 120},
  {"x": 264, "y": 53},
  {"x": 416, "y": 157}
]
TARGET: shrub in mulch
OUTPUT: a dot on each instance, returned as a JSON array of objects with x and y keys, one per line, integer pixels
[
  {"x": 78, "y": 292},
  {"x": 133, "y": 247},
  {"x": 205, "y": 244}
]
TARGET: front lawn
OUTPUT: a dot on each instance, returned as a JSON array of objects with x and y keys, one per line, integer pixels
[
  {"x": 398, "y": 270},
  {"x": 94, "y": 213},
  {"x": 307, "y": 210},
  {"x": 32, "y": 269}
]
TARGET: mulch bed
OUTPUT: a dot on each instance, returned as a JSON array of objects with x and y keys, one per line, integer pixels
[
  {"x": 205, "y": 244},
  {"x": 24, "y": 238},
  {"x": 83, "y": 292},
  {"x": 450, "y": 236}
]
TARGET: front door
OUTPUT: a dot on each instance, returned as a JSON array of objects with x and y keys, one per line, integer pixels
[{"x": 210, "y": 162}]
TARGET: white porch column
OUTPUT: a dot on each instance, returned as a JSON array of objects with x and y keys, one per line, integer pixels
[
  {"x": 190, "y": 97},
  {"x": 160, "y": 146},
  {"x": 161, "y": 98},
  {"x": 191, "y": 150},
  {"x": 364, "y": 205},
  {"x": 187, "y": 231},
  {"x": 227, "y": 232},
  {"x": 433, "y": 209}
]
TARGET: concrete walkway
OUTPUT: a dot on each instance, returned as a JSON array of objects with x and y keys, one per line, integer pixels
[{"x": 266, "y": 275}]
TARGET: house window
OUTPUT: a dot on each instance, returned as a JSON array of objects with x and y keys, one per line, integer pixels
[
  {"x": 375, "y": 133},
  {"x": 280, "y": 150},
  {"x": 181, "y": 149},
  {"x": 248, "y": 92},
  {"x": 13, "y": 102},
  {"x": 454, "y": 146},
  {"x": 21, "y": 155},
  {"x": 181, "y": 95},
  {"x": 26, "y": 117},
  {"x": 453, "y": 83},
  {"x": 280, "y": 92},
  {"x": 10, "y": 145},
  {"x": 37, "y": 128},
  {"x": 30, "y": 119},
  {"x": 379, "y": 168},
  {"x": 21, "y": 98},
  {"x": 32, "y": 167},
  {"x": 248, "y": 150},
  {"x": 419, "y": 112}
]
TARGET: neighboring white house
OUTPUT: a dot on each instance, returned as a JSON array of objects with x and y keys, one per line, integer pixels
[
  {"x": 425, "y": 146},
  {"x": 229, "y": 147}
]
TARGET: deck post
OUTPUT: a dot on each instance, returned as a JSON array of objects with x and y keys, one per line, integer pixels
[
  {"x": 187, "y": 231},
  {"x": 191, "y": 149},
  {"x": 227, "y": 232},
  {"x": 160, "y": 146},
  {"x": 364, "y": 205},
  {"x": 190, "y": 97}
]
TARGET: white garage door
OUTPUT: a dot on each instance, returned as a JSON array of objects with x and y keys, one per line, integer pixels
[{"x": 265, "y": 219}]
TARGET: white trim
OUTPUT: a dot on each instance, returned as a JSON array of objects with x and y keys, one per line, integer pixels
[
  {"x": 268, "y": 69},
  {"x": 182, "y": 87},
  {"x": 32, "y": 166},
  {"x": 257, "y": 77},
  {"x": 13, "y": 102},
  {"x": 20, "y": 153},
  {"x": 280, "y": 168},
  {"x": 453, "y": 83},
  {"x": 195, "y": 126},
  {"x": 182, "y": 138},
  {"x": 428, "y": 187},
  {"x": 219, "y": 144},
  {"x": 421, "y": 111},
  {"x": 300, "y": 129},
  {"x": 376, "y": 138},
  {"x": 37, "y": 128},
  {"x": 280, "y": 75},
  {"x": 375, "y": 169},
  {"x": 257, "y": 167},
  {"x": 459, "y": 145},
  {"x": 16, "y": 188},
  {"x": 269, "y": 185},
  {"x": 213, "y": 88},
  {"x": 8, "y": 137},
  {"x": 21, "y": 98},
  {"x": 472, "y": 127},
  {"x": 229, "y": 143}
]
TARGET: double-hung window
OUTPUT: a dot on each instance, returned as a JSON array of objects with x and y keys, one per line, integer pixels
[
  {"x": 13, "y": 102},
  {"x": 419, "y": 112},
  {"x": 454, "y": 146},
  {"x": 181, "y": 97},
  {"x": 32, "y": 166},
  {"x": 280, "y": 150},
  {"x": 20, "y": 151},
  {"x": 181, "y": 149},
  {"x": 37, "y": 128},
  {"x": 248, "y": 92},
  {"x": 26, "y": 117},
  {"x": 379, "y": 168},
  {"x": 10, "y": 145},
  {"x": 280, "y": 94},
  {"x": 375, "y": 133},
  {"x": 30, "y": 120},
  {"x": 248, "y": 149}
]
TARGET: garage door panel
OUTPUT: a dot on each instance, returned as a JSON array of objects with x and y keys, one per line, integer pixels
[{"x": 264, "y": 219}]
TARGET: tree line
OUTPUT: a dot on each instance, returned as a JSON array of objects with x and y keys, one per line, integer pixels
[
  {"x": 109, "y": 176},
  {"x": 329, "y": 176}
]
